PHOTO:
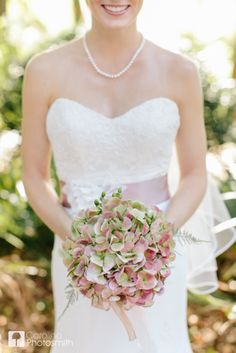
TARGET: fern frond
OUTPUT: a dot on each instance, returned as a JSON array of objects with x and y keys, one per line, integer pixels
[{"x": 71, "y": 296}]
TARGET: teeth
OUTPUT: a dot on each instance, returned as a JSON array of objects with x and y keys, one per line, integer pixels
[{"x": 115, "y": 8}]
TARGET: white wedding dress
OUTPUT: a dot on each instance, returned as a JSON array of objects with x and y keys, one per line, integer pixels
[{"x": 92, "y": 153}]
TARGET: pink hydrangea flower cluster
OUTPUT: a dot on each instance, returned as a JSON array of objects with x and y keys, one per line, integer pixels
[{"x": 119, "y": 251}]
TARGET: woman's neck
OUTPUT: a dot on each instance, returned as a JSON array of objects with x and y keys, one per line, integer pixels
[{"x": 113, "y": 44}]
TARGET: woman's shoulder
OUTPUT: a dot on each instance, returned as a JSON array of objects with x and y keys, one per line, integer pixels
[
  {"x": 47, "y": 69},
  {"x": 182, "y": 70},
  {"x": 174, "y": 60},
  {"x": 51, "y": 59}
]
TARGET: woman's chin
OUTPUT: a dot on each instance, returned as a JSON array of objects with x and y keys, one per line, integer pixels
[{"x": 115, "y": 25}]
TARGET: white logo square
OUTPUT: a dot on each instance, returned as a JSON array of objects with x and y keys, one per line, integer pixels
[{"x": 16, "y": 338}]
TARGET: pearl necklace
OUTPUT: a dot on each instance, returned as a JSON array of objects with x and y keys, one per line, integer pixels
[{"x": 118, "y": 74}]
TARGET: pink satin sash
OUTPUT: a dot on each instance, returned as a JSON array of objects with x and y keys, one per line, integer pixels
[{"x": 150, "y": 192}]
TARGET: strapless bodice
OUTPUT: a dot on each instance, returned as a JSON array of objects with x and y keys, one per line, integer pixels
[{"x": 92, "y": 148}]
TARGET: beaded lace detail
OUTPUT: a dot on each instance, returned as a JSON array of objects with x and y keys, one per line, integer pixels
[{"x": 82, "y": 196}]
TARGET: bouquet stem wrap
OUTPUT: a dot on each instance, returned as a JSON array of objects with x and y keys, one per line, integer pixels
[{"x": 120, "y": 312}]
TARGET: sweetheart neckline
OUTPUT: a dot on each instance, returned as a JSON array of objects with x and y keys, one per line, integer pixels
[{"x": 117, "y": 117}]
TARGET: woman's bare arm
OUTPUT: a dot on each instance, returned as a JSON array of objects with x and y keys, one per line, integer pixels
[
  {"x": 191, "y": 146},
  {"x": 36, "y": 150}
]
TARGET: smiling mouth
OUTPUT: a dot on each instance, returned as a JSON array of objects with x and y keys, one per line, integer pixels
[{"x": 115, "y": 9}]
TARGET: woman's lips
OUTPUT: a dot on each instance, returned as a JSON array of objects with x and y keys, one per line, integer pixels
[{"x": 115, "y": 10}]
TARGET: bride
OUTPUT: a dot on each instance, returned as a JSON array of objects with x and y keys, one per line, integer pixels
[{"x": 110, "y": 107}]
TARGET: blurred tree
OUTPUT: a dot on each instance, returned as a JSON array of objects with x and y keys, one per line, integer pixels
[
  {"x": 219, "y": 97},
  {"x": 234, "y": 56},
  {"x": 78, "y": 15},
  {"x": 20, "y": 228},
  {"x": 2, "y": 7}
]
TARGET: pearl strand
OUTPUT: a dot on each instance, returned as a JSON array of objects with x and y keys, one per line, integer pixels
[{"x": 118, "y": 74}]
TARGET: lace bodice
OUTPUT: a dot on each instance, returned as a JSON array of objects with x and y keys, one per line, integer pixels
[{"x": 92, "y": 148}]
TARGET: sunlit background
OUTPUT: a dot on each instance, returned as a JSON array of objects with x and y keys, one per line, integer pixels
[
  {"x": 204, "y": 30},
  {"x": 163, "y": 21}
]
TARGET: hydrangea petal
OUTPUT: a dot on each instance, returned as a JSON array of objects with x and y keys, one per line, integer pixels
[
  {"x": 109, "y": 262},
  {"x": 96, "y": 259},
  {"x": 146, "y": 280}
]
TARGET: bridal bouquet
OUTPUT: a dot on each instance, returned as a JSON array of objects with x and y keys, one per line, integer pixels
[{"x": 119, "y": 254}]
